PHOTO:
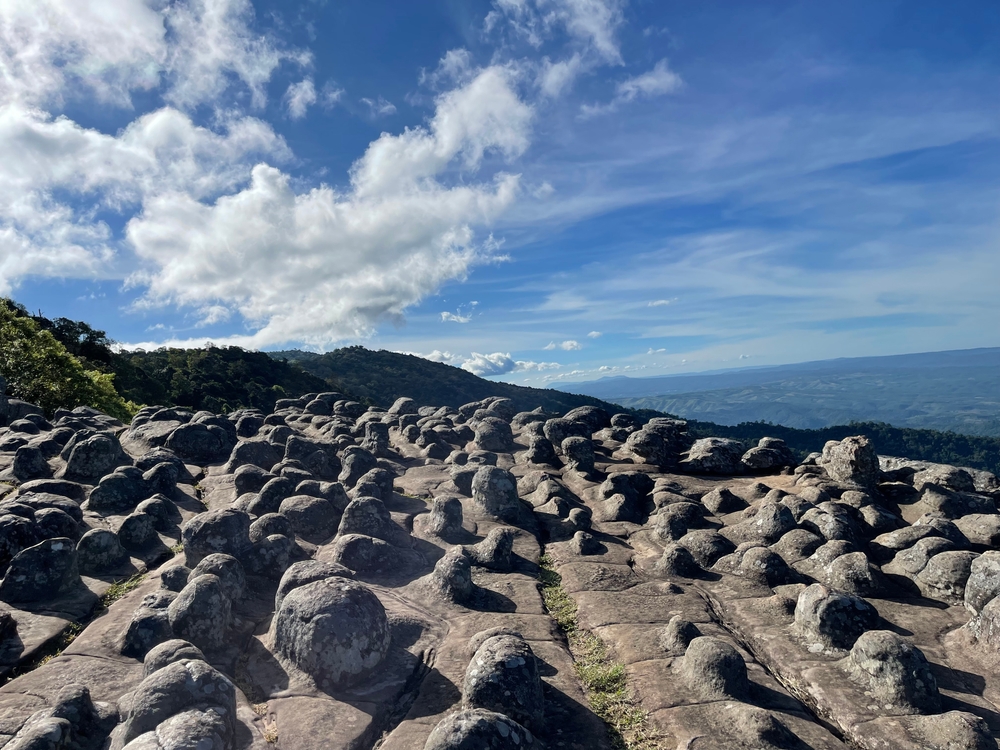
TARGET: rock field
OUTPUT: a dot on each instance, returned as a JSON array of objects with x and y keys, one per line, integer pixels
[{"x": 334, "y": 576}]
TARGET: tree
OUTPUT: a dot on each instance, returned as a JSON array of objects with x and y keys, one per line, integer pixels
[{"x": 40, "y": 370}]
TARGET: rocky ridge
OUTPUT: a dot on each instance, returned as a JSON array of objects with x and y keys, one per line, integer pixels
[{"x": 335, "y": 576}]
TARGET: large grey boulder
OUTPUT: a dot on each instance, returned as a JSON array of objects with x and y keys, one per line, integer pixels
[
  {"x": 356, "y": 463},
  {"x": 100, "y": 551},
  {"x": 852, "y": 461},
  {"x": 494, "y": 434},
  {"x": 199, "y": 443},
  {"x": 503, "y": 676},
  {"x": 369, "y": 516},
  {"x": 494, "y": 492},
  {"x": 895, "y": 672},
  {"x": 833, "y": 618},
  {"x": 478, "y": 729},
  {"x": 168, "y": 697},
  {"x": 93, "y": 457},
  {"x": 44, "y": 571},
  {"x": 714, "y": 456},
  {"x": 334, "y": 630},
  {"x": 714, "y": 670},
  {"x": 224, "y": 530},
  {"x": 201, "y": 613}
]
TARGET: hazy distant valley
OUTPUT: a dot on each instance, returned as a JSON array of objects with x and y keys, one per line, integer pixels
[{"x": 958, "y": 391}]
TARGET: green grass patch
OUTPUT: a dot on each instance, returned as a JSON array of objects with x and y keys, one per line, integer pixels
[
  {"x": 120, "y": 588},
  {"x": 603, "y": 678}
]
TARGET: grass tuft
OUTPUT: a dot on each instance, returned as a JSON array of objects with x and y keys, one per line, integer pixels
[
  {"x": 120, "y": 588},
  {"x": 603, "y": 678}
]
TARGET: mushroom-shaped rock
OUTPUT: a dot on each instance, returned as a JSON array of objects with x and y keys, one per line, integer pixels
[
  {"x": 224, "y": 530},
  {"x": 93, "y": 457},
  {"x": 173, "y": 692},
  {"x": 445, "y": 517},
  {"x": 714, "y": 670},
  {"x": 356, "y": 463},
  {"x": 579, "y": 453},
  {"x": 677, "y": 634},
  {"x": 494, "y": 491},
  {"x": 201, "y": 612},
  {"x": 895, "y": 672},
  {"x": 305, "y": 572},
  {"x": 494, "y": 434},
  {"x": 41, "y": 572},
  {"x": 648, "y": 447},
  {"x": 376, "y": 439},
  {"x": 722, "y": 500},
  {"x": 540, "y": 451},
  {"x": 334, "y": 630},
  {"x": 478, "y": 729},
  {"x": 227, "y": 568},
  {"x": 100, "y": 551},
  {"x": 29, "y": 463},
  {"x": 367, "y": 555},
  {"x": 312, "y": 518},
  {"x": 677, "y": 561},
  {"x": 833, "y": 618},
  {"x": 854, "y": 574},
  {"x": 583, "y": 543},
  {"x": 945, "y": 575},
  {"x": 852, "y": 460},
  {"x": 984, "y": 581},
  {"x": 714, "y": 456},
  {"x": 503, "y": 676},
  {"x": 763, "y": 566},
  {"x": 771, "y": 522},
  {"x": 369, "y": 516},
  {"x": 452, "y": 576},
  {"x": 169, "y": 652},
  {"x": 706, "y": 546},
  {"x": 495, "y": 550}
]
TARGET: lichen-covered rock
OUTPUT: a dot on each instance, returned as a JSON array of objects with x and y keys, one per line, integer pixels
[
  {"x": 225, "y": 530},
  {"x": 73, "y": 722},
  {"x": 722, "y": 500},
  {"x": 169, "y": 652},
  {"x": 833, "y": 618},
  {"x": 356, "y": 463},
  {"x": 376, "y": 439},
  {"x": 983, "y": 583},
  {"x": 305, "y": 572},
  {"x": 895, "y": 672},
  {"x": 93, "y": 457},
  {"x": 854, "y": 574},
  {"x": 720, "y": 456},
  {"x": 677, "y": 634},
  {"x": 368, "y": 556},
  {"x": 119, "y": 492},
  {"x": 706, "y": 546},
  {"x": 44, "y": 571},
  {"x": 201, "y": 613},
  {"x": 369, "y": 516},
  {"x": 945, "y": 575},
  {"x": 540, "y": 451},
  {"x": 312, "y": 518},
  {"x": 494, "y": 434},
  {"x": 648, "y": 447},
  {"x": 494, "y": 552},
  {"x": 229, "y": 571},
  {"x": 100, "y": 551},
  {"x": 558, "y": 429},
  {"x": 477, "y": 729},
  {"x": 29, "y": 463},
  {"x": 445, "y": 517},
  {"x": 579, "y": 453},
  {"x": 334, "y": 630},
  {"x": 494, "y": 492},
  {"x": 503, "y": 676},
  {"x": 452, "y": 576},
  {"x": 852, "y": 460},
  {"x": 138, "y": 531},
  {"x": 200, "y": 443},
  {"x": 771, "y": 522},
  {"x": 173, "y": 691}
]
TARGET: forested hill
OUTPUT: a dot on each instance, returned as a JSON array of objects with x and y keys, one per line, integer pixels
[{"x": 382, "y": 377}]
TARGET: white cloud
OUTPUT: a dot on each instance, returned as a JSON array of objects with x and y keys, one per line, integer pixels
[
  {"x": 212, "y": 314},
  {"x": 379, "y": 107},
  {"x": 594, "y": 335},
  {"x": 499, "y": 363},
  {"x": 591, "y": 23},
  {"x": 160, "y": 152},
  {"x": 299, "y": 97},
  {"x": 556, "y": 77},
  {"x": 656, "y": 351},
  {"x": 454, "y": 318},
  {"x": 330, "y": 95},
  {"x": 49, "y": 48},
  {"x": 336, "y": 263},
  {"x": 567, "y": 346},
  {"x": 662, "y": 302},
  {"x": 656, "y": 82}
]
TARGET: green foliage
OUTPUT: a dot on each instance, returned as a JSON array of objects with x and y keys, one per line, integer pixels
[
  {"x": 39, "y": 369},
  {"x": 217, "y": 379}
]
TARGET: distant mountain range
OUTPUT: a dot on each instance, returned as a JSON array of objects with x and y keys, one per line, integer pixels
[{"x": 954, "y": 390}]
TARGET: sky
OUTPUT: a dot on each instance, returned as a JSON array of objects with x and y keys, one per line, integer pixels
[{"x": 538, "y": 191}]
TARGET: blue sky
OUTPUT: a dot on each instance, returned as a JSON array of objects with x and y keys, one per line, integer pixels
[{"x": 540, "y": 191}]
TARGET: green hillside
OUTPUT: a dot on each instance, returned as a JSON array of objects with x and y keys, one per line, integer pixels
[{"x": 382, "y": 377}]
